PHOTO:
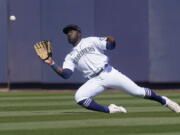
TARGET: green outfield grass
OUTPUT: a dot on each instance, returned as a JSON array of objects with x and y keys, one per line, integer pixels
[{"x": 56, "y": 113}]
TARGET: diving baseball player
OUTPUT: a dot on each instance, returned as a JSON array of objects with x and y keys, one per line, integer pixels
[{"x": 87, "y": 56}]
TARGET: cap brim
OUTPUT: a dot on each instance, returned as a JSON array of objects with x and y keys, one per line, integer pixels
[{"x": 67, "y": 29}]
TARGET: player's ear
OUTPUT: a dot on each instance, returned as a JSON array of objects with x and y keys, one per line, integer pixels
[{"x": 79, "y": 34}]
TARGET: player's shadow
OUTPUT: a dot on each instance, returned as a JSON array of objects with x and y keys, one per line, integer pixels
[{"x": 78, "y": 112}]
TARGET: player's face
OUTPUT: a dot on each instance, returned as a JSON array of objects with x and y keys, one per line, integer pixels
[{"x": 73, "y": 37}]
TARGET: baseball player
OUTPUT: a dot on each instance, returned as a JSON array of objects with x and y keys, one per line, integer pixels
[{"x": 87, "y": 56}]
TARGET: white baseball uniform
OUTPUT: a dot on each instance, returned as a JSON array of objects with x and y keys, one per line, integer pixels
[{"x": 89, "y": 58}]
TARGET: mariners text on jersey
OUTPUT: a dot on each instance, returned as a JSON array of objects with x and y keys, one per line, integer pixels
[{"x": 83, "y": 52}]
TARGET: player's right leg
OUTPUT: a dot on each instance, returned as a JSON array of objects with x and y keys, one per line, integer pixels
[
  {"x": 93, "y": 87},
  {"x": 84, "y": 95}
]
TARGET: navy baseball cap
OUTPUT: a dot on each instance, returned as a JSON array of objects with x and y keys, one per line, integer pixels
[{"x": 69, "y": 27}]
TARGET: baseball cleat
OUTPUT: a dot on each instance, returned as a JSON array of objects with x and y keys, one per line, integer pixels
[
  {"x": 116, "y": 109},
  {"x": 173, "y": 106}
]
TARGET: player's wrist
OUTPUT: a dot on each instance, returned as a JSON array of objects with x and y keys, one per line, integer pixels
[
  {"x": 49, "y": 61},
  {"x": 52, "y": 63}
]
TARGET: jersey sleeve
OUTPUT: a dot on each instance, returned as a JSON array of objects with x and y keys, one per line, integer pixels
[
  {"x": 68, "y": 63},
  {"x": 100, "y": 42}
]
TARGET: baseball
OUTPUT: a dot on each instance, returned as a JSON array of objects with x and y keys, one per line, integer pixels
[{"x": 12, "y": 18}]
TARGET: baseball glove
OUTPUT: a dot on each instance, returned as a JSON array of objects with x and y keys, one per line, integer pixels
[{"x": 43, "y": 49}]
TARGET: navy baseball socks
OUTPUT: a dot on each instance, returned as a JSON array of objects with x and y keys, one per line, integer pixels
[
  {"x": 173, "y": 106},
  {"x": 92, "y": 105},
  {"x": 153, "y": 96}
]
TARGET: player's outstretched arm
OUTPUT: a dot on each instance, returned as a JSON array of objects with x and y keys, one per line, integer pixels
[
  {"x": 111, "y": 43},
  {"x": 44, "y": 50},
  {"x": 64, "y": 73}
]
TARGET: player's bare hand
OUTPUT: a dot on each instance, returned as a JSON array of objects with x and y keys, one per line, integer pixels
[
  {"x": 110, "y": 39},
  {"x": 49, "y": 61}
]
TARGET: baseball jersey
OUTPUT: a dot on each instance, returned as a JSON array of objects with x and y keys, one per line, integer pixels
[{"x": 87, "y": 56}]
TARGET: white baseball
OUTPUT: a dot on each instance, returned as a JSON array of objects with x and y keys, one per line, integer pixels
[{"x": 12, "y": 18}]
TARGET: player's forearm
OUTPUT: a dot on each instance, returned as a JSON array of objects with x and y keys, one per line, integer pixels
[
  {"x": 56, "y": 68},
  {"x": 111, "y": 43},
  {"x": 64, "y": 73}
]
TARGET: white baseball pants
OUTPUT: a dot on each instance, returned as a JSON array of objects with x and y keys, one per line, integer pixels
[{"x": 108, "y": 78}]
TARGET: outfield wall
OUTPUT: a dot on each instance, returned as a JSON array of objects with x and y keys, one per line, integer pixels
[{"x": 147, "y": 34}]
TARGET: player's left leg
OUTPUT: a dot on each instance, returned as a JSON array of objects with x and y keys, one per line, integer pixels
[
  {"x": 93, "y": 87},
  {"x": 115, "y": 79}
]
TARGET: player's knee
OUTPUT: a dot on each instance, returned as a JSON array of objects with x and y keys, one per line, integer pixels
[
  {"x": 138, "y": 92},
  {"x": 79, "y": 97}
]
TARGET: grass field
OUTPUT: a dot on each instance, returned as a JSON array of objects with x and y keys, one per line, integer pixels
[{"x": 55, "y": 113}]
